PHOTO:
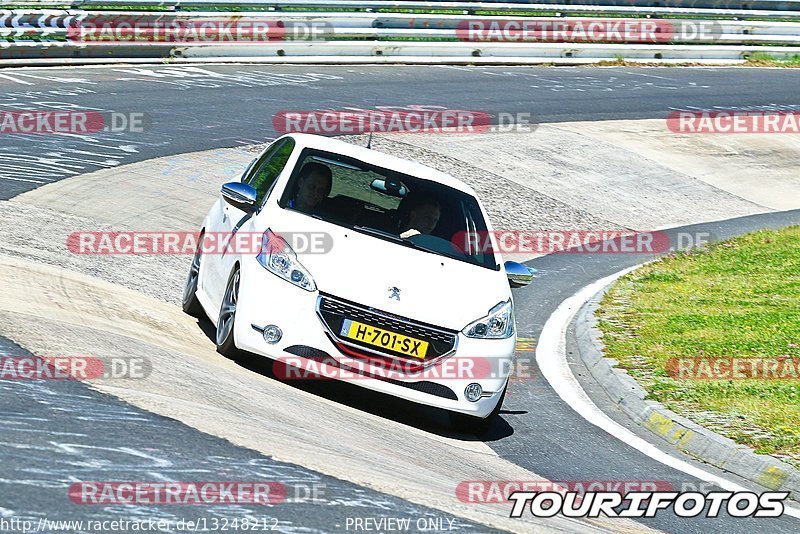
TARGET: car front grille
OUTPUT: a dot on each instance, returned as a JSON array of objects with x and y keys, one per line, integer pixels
[{"x": 333, "y": 311}]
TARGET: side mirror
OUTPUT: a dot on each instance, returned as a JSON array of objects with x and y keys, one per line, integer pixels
[
  {"x": 518, "y": 274},
  {"x": 239, "y": 195}
]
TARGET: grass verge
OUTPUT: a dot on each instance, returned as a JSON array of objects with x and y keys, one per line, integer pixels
[
  {"x": 738, "y": 299},
  {"x": 760, "y": 59}
]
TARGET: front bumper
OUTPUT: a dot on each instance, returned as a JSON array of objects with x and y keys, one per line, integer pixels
[{"x": 265, "y": 299}]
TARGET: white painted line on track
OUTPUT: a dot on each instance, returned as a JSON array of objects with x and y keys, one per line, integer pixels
[
  {"x": 551, "y": 356},
  {"x": 22, "y": 179},
  {"x": 13, "y": 79}
]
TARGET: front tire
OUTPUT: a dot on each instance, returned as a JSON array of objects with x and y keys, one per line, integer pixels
[
  {"x": 227, "y": 317},
  {"x": 469, "y": 424},
  {"x": 189, "y": 303}
]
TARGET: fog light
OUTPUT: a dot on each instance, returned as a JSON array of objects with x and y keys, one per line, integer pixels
[
  {"x": 272, "y": 334},
  {"x": 473, "y": 392}
]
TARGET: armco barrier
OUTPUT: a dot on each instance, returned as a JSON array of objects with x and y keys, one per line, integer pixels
[
  {"x": 43, "y": 35},
  {"x": 364, "y": 25},
  {"x": 503, "y": 53},
  {"x": 765, "y": 9},
  {"x": 733, "y": 35},
  {"x": 773, "y": 5}
]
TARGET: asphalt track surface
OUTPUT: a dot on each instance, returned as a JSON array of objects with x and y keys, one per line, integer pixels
[{"x": 191, "y": 110}]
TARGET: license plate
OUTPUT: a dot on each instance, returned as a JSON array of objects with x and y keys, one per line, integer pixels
[{"x": 384, "y": 339}]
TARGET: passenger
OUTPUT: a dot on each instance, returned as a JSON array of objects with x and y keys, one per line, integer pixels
[
  {"x": 422, "y": 216},
  {"x": 313, "y": 186}
]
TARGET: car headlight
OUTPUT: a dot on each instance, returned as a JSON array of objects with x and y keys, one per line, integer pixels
[
  {"x": 498, "y": 324},
  {"x": 277, "y": 257}
]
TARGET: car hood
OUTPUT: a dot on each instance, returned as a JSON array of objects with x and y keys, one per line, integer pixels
[{"x": 433, "y": 289}]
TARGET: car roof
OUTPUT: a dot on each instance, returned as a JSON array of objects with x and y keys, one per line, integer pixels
[{"x": 380, "y": 159}]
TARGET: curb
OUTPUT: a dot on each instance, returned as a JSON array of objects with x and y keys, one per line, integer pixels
[
  {"x": 360, "y": 60},
  {"x": 687, "y": 436}
]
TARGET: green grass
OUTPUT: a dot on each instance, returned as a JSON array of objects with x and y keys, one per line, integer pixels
[
  {"x": 761, "y": 59},
  {"x": 740, "y": 298}
]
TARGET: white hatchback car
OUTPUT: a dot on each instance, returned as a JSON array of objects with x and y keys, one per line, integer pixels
[{"x": 390, "y": 301}]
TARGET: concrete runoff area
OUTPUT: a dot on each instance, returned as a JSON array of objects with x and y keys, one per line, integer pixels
[
  {"x": 760, "y": 168},
  {"x": 637, "y": 174}
]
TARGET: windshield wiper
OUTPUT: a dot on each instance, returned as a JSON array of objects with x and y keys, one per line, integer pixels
[
  {"x": 405, "y": 241},
  {"x": 388, "y": 235},
  {"x": 378, "y": 233}
]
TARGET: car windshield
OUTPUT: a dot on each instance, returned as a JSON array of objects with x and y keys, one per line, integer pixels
[{"x": 389, "y": 205}]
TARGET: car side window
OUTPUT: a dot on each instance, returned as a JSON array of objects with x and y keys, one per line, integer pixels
[{"x": 263, "y": 174}]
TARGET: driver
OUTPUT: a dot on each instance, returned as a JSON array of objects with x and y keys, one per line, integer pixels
[
  {"x": 313, "y": 186},
  {"x": 423, "y": 216}
]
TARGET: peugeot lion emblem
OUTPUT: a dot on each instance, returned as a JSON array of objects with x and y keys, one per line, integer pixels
[{"x": 394, "y": 293}]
